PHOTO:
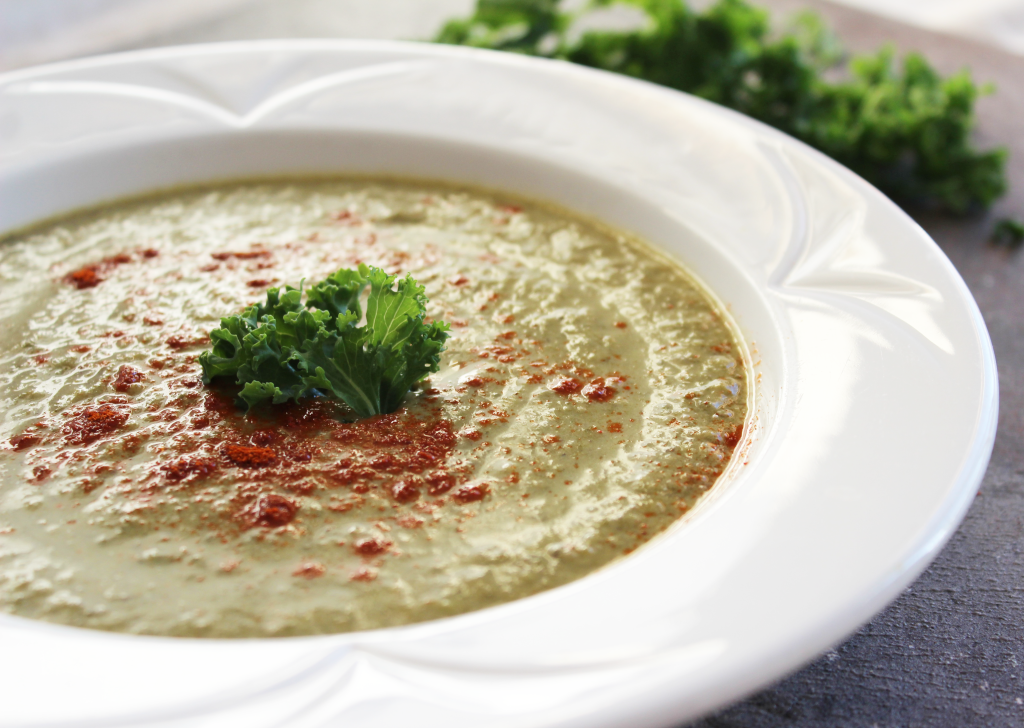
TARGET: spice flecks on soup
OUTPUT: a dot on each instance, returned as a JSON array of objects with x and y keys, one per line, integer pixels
[{"x": 589, "y": 395}]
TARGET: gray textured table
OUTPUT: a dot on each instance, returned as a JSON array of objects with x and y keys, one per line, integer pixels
[{"x": 950, "y": 650}]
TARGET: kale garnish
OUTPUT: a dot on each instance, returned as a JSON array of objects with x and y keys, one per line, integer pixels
[
  {"x": 902, "y": 127},
  {"x": 285, "y": 350}
]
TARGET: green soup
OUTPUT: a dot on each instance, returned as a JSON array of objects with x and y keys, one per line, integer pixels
[{"x": 590, "y": 394}]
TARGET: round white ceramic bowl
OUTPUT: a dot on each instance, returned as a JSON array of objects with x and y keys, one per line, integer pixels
[{"x": 873, "y": 422}]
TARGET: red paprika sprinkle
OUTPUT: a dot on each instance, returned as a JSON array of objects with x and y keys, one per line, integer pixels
[
  {"x": 274, "y": 511},
  {"x": 474, "y": 380},
  {"x": 179, "y": 341},
  {"x": 244, "y": 255},
  {"x": 598, "y": 391},
  {"x": 186, "y": 466},
  {"x": 85, "y": 277},
  {"x": 92, "y": 423},
  {"x": 370, "y": 546},
  {"x": 565, "y": 385},
  {"x": 301, "y": 488},
  {"x": 127, "y": 376},
  {"x": 27, "y": 440},
  {"x": 469, "y": 493},
  {"x": 364, "y": 574},
  {"x": 732, "y": 438},
  {"x": 405, "y": 491},
  {"x": 250, "y": 457},
  {"x": 438, "y": 483},
  {"x": 310, "y": 570},
  {"x": 88, "y": 276}
]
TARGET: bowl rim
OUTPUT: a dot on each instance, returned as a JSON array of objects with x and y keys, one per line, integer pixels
[{"x": 665, "y": 702}]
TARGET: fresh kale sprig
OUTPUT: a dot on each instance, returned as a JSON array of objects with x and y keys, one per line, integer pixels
[
  {"x": 1009, "y": 233},
  {"x": 286, "y": 350},
  {"x": 904, "y": 129}
]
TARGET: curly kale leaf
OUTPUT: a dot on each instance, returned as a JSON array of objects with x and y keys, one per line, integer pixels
[
  {"x": 282, "y": 350},
  {"x": 903, "y": 127},
  {"x": 256, "y": 347},
  {"x": 507, "y": 25},
  {"x": 339, "y": 293},
  {"x": 372, "y": 367}
]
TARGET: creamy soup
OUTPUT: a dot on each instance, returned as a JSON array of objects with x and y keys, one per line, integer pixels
[{"x": 590, "y": 394}]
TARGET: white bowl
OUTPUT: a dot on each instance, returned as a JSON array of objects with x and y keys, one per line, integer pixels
[{"x": 873, "y": 423}]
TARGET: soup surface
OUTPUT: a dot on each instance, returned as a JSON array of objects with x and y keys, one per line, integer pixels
[{"x": 589, "y": 395}]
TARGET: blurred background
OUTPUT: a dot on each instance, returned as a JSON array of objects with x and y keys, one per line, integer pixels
[{"x": 40, "y": 31}]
